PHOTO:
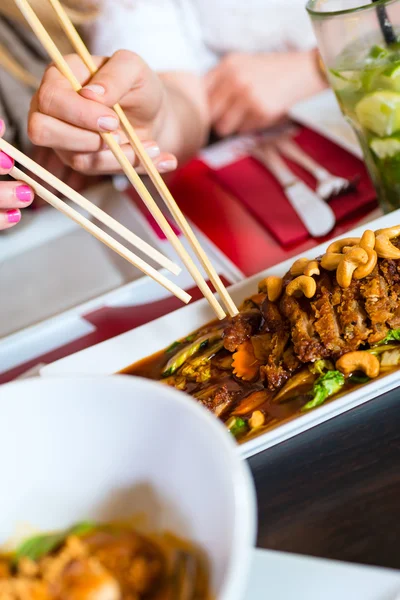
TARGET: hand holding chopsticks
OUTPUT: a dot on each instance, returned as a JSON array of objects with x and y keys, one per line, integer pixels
[
  {"x": 129, "y": 171},
  {"x": 90, "y": 227}
]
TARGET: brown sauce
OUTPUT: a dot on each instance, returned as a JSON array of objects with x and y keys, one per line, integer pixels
[{"x": 276, "y": 413}]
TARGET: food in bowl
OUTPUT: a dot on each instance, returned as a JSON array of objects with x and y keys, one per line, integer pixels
[
  {"x": 103, "y": 562},
  {"x": 328, "y": 325}
]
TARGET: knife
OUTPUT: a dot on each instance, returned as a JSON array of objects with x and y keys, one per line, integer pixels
[{"x": 315, "y": 214}]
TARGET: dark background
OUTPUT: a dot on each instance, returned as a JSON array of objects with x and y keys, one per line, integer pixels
[{"x": 334, "y": 491}]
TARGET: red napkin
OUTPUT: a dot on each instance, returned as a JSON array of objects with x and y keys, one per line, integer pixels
[
  {"x": 223, "y": 218},
  {"x": 263, "y": 196}
]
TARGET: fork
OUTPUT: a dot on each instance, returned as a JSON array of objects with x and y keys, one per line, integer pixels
[{"x": 329, "y": 185}]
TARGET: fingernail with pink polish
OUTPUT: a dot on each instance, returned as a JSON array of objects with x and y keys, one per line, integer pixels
[
  {"x": 108, "y": 123},
  {"x": 13, "y": 216},
  {"x": 6, "y": 162},
  {"x": 24, "y": 193},
  {"x": 2, "y": 124},
  {"x": 166, "y": 165}
]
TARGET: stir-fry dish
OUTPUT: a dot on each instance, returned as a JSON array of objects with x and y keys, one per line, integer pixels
[
  {"x": 103, "y": 562},
  {"x": 328, "y": 325}
]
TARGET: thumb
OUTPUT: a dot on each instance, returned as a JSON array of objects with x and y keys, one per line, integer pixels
[{"x": 116, "y": 78}]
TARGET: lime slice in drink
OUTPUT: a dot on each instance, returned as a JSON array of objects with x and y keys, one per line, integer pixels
[
  {"x": 380, "y": 112},
  {"x": 377, "y": 52},
  {"x": 345, "y": 80},
  {"x": 385, "y": 147},
  {"x": 390, "y": 78},
  {"x": 392, "y": 71}
]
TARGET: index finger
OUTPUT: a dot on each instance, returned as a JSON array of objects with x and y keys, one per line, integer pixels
[
  {"x": 57, "y": 99},
  {"x": 6, "y": 162}
]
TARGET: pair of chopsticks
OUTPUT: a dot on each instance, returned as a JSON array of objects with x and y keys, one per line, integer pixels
[
  {"x": 90, "y": 227},
  {"x": 128, "y": 169}
]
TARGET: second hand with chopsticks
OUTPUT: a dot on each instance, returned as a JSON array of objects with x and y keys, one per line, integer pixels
[
  {"x": 128, "y": 169},
  {"x": 81, "y": 220}
]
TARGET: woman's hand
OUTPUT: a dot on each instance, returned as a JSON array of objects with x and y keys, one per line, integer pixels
[
  {"x": 14, "y": 195},
  {"x": 70, "y": 123},
  {"x": 247, "y": 92}
]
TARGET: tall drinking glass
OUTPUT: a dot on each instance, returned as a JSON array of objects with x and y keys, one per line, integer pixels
[{"x": 359, "y": 42}]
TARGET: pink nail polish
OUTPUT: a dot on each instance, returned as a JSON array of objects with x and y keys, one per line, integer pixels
[
  {"x": 13, "y": 216},
  {"x": 6, "y": 162},
  {"x": 24, "y": 193}
]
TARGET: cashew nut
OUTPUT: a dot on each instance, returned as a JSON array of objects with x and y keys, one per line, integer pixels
[
  {"x": 302, "y": 285},
  {"x": 365, "y": 270},
  {"x": 391, "y": 232},
  {"x": 350, "y": 261},
  {"x": 312, "y": 268},
  {"x": 298, "y": 266},
  {"x": 383, "y": 246},
  {"x": 347, "y": 249},
  {"x": 257, "y": 419},
  {"x": 330, "y": 261},
  {"x": 367, "y": 240},
  {"x": 340, "y": 244},
  {"x": 358, "y": 361},
  {"x": 272, "y": 285}
]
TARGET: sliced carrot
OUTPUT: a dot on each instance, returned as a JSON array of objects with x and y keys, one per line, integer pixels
[
  {"x": 245, "y": 365},
  {"x": 251, "y": 402}
]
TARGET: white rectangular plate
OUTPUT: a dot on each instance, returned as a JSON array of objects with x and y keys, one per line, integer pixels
[
  {"x": 319, "y": 579},
  {"x": 120, "y": 352},
  {"x": 322, "y": 114}
]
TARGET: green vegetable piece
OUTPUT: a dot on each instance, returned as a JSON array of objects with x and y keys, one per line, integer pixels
[
  {"x": 319, "y": 367},
  {"x": 359, "y": 379},
  {"x": 392, "y": 336},
  {"x": 199, "y": 368},
  {"x": 199, "y": 344},
  {"x": 38, "y": 546},
  {"x": 327, "y": 385},
  {"x": 237, "y": 426},
  {"x": 172, "y": 347}
]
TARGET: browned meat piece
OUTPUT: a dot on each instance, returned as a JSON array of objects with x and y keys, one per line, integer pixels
[
  {"x": 352, "y": 316},
  {"x": 219, "y": 401},
  {"x": 269, "y": 346},
  {"x": 326, "y": 319},
  {"x": 241, "y": 328},
  {"x": 274, "y": 321},
  {"x": 307, "y": 345},
  {"x": 391, "y": 272},
  {"x": 381, "y": 303},
  {"x": 290, "y": 360}
]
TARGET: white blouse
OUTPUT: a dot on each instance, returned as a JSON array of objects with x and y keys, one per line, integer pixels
[{"x": 173, "y": 35}]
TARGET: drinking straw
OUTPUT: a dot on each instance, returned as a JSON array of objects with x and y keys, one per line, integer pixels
[{"x": 385, "y": 25}]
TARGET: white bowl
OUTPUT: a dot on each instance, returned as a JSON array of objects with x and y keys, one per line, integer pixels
[{"x": 76, "y": 449}]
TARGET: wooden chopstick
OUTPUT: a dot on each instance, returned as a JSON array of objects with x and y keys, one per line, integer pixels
[
  {"x": 128, "y": 169},
  {"x": 100, "y": 235},
  {"x": 162, "y": 189},
  {"x": 91, "y": 208}
]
